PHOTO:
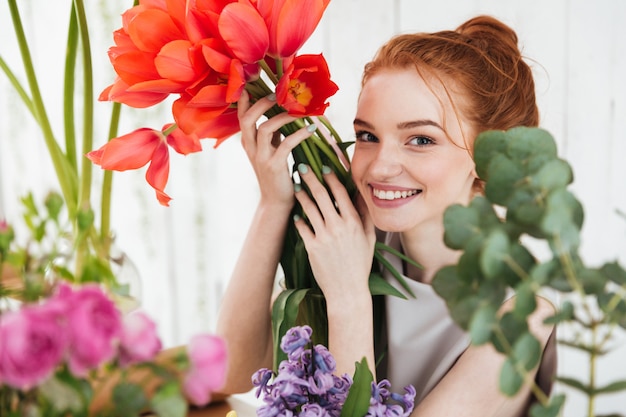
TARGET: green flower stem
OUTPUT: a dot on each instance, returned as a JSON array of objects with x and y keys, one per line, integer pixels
[
  {"x": 66, "y": 176},
  {"x": 18, "y": 87},
  {"x": 107, "y": 183},
  {"x": 68, "y": 90},
  {"x": 87, "y": 166},
  {"x": 269, "y": 72}
]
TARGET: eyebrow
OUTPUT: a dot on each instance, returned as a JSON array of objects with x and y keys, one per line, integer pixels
[{"x": 404, "y": 125}]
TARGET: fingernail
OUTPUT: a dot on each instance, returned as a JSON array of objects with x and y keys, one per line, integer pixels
[
  {"x": 311, "y": 128},
  {"x": 296, "y": 217},
  {"x": 326, "y": 170},
  {"x": 303, "y": 169},
  {"x": 272, "y": 97},
  {"x": 297, "y": 187}
]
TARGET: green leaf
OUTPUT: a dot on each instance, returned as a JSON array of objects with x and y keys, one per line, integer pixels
[
  {"x": 526, "y": 142},
  {"x": 379, "y": 286},
  {"x": 556, "y": 173},
  {"x": 358, "y": 400},
  {"x": 168, "y": 401},
  {"x": 284, "y": 314},
  {"x": 482, "y": 324},
  {"x": 552, "y": 409},
  {"x": 504, "y": 175},
  {"x": 463, "y": 311},
  {"x": 565, "y": 313},
  {"x": 510, "y": 380},
  {"x": 495, "y": 249},
  {"x": 524, "y": 261},
  {"x": 447, "y": 284},
  {"x": 128, "y": 399},
  {"x": 486, "y": 145},
  {"x": 54, "y": 204},
  {"x": 612, "y": 387},
  {"x": 614, "y": 272},
  {"x": 525, "y": 301},
  {"x": 399, "y": 277},
  {"x": 461, "y": 224},
  {"x": 379, "y": 246},
  {"x": 574, "y": 383},
  {"x": 511, "y": 328},
  {"x": 62, "y": 396},
  {"x": 527, "y": 351}
]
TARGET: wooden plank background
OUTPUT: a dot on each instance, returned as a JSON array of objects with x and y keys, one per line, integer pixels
[{"x": 184, "y": 254}]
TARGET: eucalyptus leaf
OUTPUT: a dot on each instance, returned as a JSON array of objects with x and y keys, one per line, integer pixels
[
  {"x": 462, "y": 311},
  {"x": 510, "y": 380},
  {"x": 527, "y": 351},
  {"x": 525, "y": 301},
  {"x": 482, "y": 324},
  {"x": 612, "y": 387},
  {"x": 495, "y": 249},
  {"x": 614, "y": 272},
  {"x": 447, "y": 284},
  {"x": 552, "y": 409},
  {"x": 504, "y": 175},
  {"x": 486, "y": 145},
  {"x": 556, "y": 173},
  {"x": 461, "y": 224},
  {"x": 523, "y": 262},
  {"x": 565, "y": 313},
  {"x": 510, "y": 327},
  {"x": 525, "y": 142}
]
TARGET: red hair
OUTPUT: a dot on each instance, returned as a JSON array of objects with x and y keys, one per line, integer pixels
[{"x": 482, "y": 57}]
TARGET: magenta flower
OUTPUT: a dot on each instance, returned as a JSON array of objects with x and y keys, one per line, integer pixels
[
  {"x": 94, "y": 328},
  {"x": 140, "y": 341},
  {"x": 32, "y": 345},
  {"x": 207, "y": 372}
]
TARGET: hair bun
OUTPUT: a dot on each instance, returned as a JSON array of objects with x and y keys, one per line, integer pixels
[{"x": 489, "y": 34}]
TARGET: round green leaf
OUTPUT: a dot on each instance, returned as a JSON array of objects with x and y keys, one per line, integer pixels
[
  {"x": 525, "y": 142},
  {"x": 556, "y": 173},
  {"x": 504, "y": 175},
  {"x": 496, "y": 247},
  {"x": 527, "y": 351},
  {"x": 510, "y": 380},
  {"x": 525, "y": 302},
  {"x": 482, "y": 324},
  {"x": 486, "y": 145},
  {"x": 461, "y": 224}
]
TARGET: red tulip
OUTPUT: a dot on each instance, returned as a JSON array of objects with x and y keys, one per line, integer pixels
[
  {"x": 305, "y": 86},
  {"x": 134, "y": 150},
  {"x": 290, "y": 23}
]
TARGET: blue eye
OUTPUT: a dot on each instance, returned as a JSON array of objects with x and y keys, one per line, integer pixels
[
  {"x": 363, "y": 136},
  {"x": 421, "y": 141}
]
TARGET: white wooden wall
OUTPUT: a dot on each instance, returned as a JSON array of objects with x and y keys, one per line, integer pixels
[{"x": 185, "y": 253}]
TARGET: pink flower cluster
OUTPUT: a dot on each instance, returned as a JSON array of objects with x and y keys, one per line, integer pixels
[
  {"x": 79, "y": 327},
  {"x": 82, "y": 328}
]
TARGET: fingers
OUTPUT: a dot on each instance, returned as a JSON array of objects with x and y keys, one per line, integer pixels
[{"x": 248, "y": 115}]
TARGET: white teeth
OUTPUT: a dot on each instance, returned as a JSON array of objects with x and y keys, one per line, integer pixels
[{"x": 392, "y": 195}]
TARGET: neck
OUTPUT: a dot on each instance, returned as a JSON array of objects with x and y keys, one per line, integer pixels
[{"x": 427, "y": 248}]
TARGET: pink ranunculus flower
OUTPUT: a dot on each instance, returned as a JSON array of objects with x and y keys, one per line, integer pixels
[
  {"x": 140, "y": 341},
  {"x": 95, "y": 326},
  {"x": 33, "y": 341},
  {"x": 207, "y": 372}
]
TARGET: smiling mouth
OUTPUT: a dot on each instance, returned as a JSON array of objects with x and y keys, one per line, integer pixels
[{"x": 394, "y": 195}]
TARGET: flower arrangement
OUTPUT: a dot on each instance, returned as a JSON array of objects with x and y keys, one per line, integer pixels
[
  {"x": 70, "y": 349},
  {"x": 305, "y": 385},
  {"x": 204, "y": 54}
]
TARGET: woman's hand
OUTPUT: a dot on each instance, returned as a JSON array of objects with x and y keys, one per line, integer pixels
[
  {"x": 340, "y": 241},
  {"x": 266, "y": 152}
]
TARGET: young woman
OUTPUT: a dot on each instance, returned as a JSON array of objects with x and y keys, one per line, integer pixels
[{"x": 424, "y": 99}]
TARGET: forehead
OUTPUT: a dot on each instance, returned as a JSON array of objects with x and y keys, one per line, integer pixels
[{"x": 401, "y": 95}]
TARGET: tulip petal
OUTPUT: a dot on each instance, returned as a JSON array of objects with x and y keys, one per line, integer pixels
[
  {"x": 181, "y": 142},
  {"x": 158, "y": 172},
  {"x": 244, "y": 31},
  {"x": 152, "y": 29},
  {"x": 173, "y": 61},
  {"x": 130, "y": 151},
  {"x": 297, "y": 21}
]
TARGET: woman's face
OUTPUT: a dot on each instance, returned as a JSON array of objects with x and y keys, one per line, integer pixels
[{"x": 406, "y": 167}]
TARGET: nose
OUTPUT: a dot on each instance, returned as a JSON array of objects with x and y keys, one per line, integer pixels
[{"x": 387, "y": 162}]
